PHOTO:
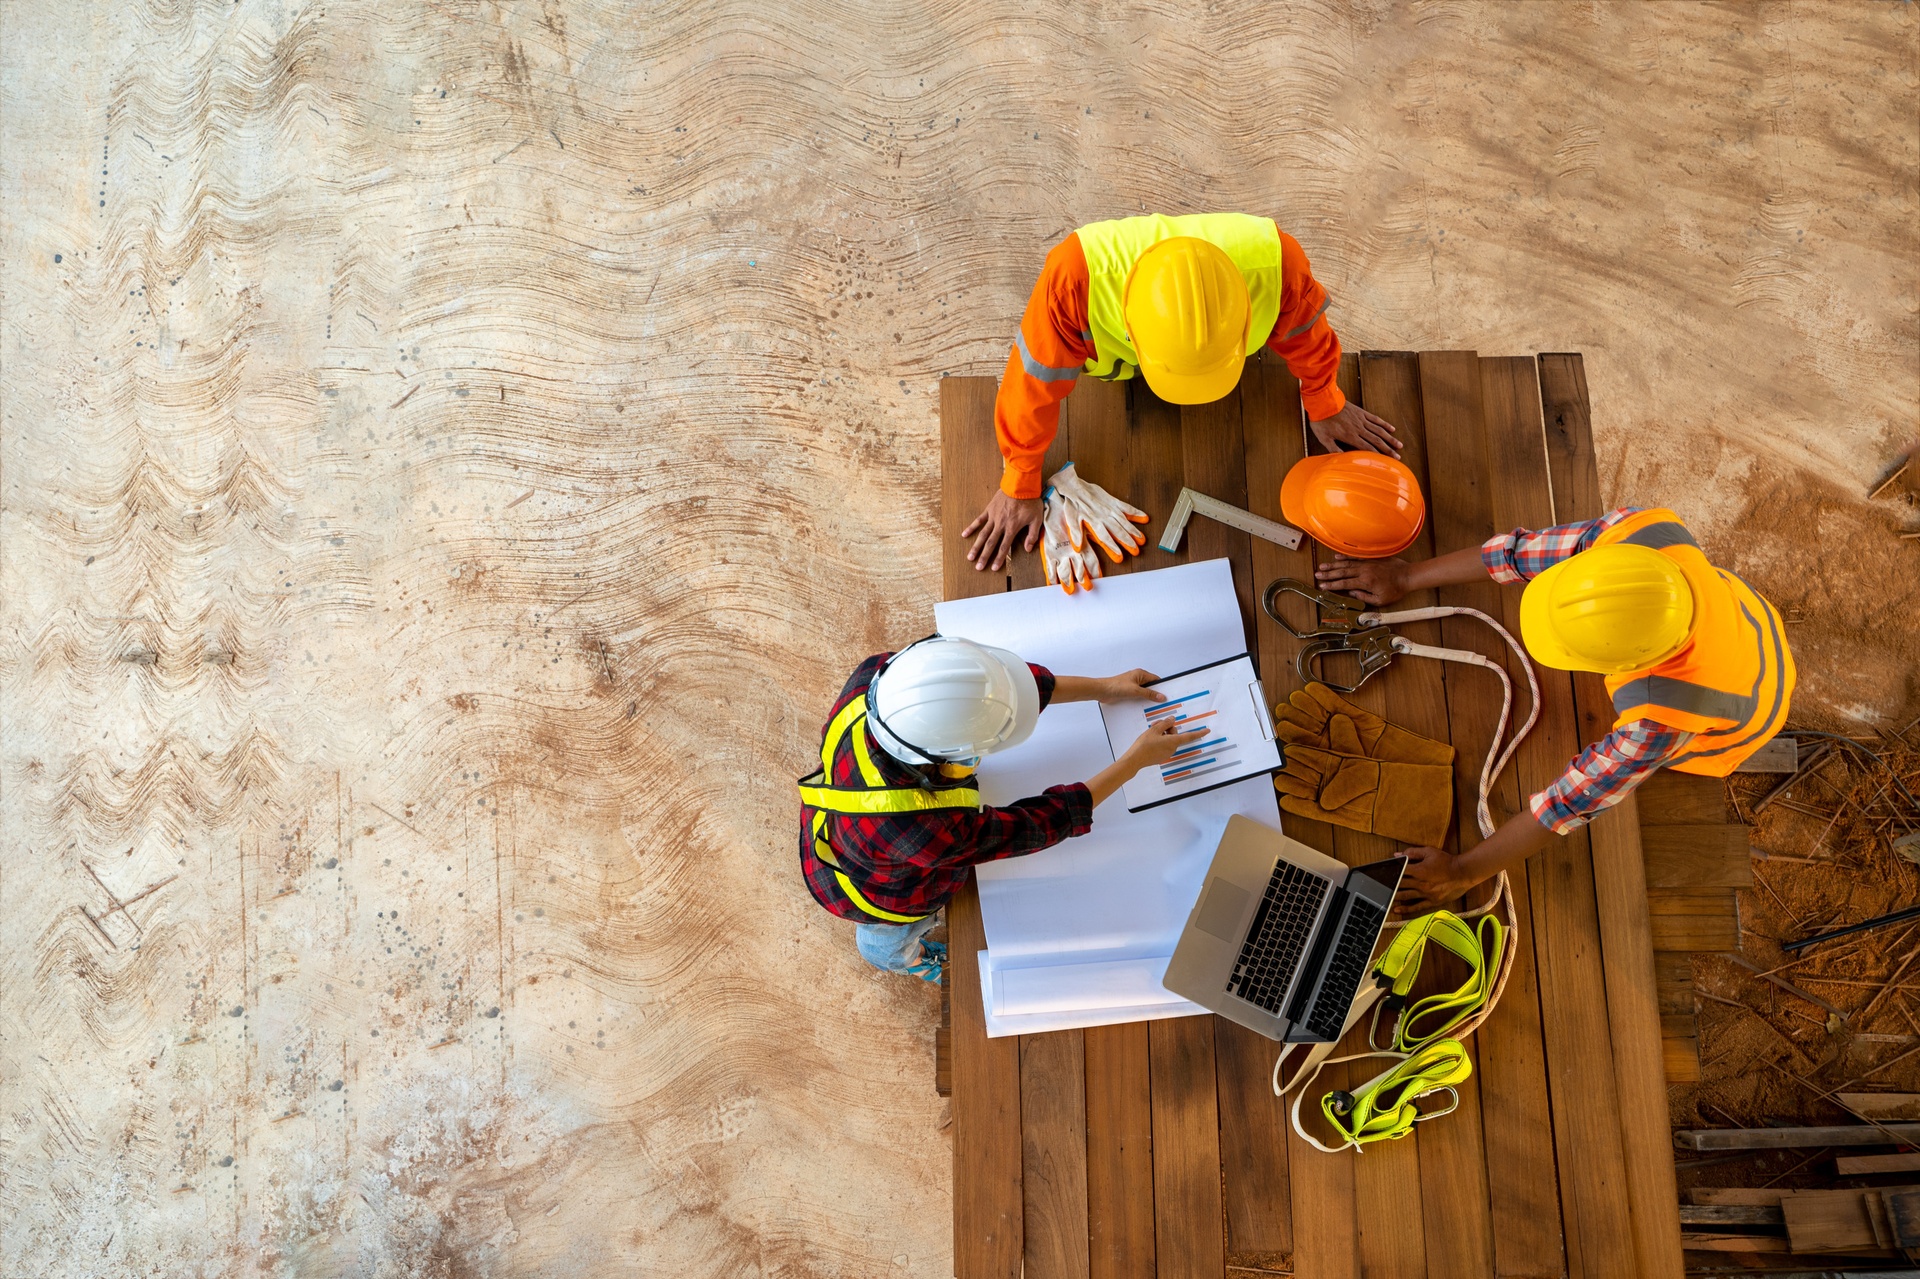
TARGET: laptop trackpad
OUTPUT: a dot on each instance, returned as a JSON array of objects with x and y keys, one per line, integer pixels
[{"x": 1220, "y": 912}]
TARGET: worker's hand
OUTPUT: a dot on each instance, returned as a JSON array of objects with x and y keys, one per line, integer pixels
[
  {"x": 1158, "y": 745},
  {"x": 1354, "y": 425},
  {"x": 999, "y": 527},
  {"x": 1433, "y": 881},
  {"x": 1130, "y": 686},
  {"x": 1377, "y": 582}
]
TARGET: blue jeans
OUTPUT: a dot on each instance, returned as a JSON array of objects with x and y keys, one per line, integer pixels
[{"x": 893, "y": 948}]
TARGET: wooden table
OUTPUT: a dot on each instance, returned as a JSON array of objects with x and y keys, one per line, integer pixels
[{"x": 1158, "y": 1148}]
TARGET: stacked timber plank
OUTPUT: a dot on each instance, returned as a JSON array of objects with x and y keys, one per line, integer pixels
[
  {"x": 1158, "y": 1148},
  {"x": 1696, "y": 859},
  {"x": 1880, "y": 1222}
]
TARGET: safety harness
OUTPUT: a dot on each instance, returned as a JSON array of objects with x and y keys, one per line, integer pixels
[
  {"x": 875, "y": 797},
  {"x": 1427, "y": 1033}
]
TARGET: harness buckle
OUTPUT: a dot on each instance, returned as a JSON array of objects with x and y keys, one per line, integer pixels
[
  {"x": 1374, "y": 648},
  {"x": 1337, "y": 614}
]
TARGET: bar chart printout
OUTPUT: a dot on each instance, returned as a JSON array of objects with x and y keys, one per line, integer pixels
[{"x": 1224, "y": 700}]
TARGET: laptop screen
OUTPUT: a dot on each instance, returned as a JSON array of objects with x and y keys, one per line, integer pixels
[{"x": 1386, "y": 873}]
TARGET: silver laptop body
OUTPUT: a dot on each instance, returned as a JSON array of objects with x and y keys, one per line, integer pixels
[{"x": 1281, "y": 936}]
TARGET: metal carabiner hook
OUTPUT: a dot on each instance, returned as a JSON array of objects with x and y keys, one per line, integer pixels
[
  {"x": 1374, "y": 648},
  {"x": 1338, "y": 615}
]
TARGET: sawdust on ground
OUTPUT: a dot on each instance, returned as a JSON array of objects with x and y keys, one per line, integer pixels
[{"x": 453, "y": 451}]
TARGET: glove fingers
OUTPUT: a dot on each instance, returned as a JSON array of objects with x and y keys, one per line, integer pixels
[
  {"x": 1331, "y": 703},
  {"x": 1354, "y": 779},
  {"x": 1292, "y": 734},
  {"x": 1343, "y": 737},
  {"x": 1308, "y": 708},
  {"x": 1287, "y": 784}
]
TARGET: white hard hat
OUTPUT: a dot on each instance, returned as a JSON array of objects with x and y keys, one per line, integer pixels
[{"x": 942, "y": 700}]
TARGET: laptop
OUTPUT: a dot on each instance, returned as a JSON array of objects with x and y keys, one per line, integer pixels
[{"x": 1280, "y": 937}]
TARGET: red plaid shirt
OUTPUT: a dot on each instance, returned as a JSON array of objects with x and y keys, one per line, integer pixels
[
  {"x": 1601, "y": 775},
  {"x": 910, "y": 863}
]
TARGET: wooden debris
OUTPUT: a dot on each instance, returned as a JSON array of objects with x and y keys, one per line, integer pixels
[
  {"x": 1781, "y": 755},
  {"x": 1837, "y": 1221},
  {"x": 1882, "y": 1105},
  {"x": 1790, "y": 1138},
  {"x": 1866, "y": 1165},
  {"x": 1731, "y": 1215},
  {"x": 1888, "y": 483}
]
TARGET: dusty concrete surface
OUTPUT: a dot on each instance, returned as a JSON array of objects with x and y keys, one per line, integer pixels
[{"x": 452, "y": 452}]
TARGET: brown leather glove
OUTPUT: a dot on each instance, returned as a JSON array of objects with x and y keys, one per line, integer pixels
[
  {"x": 1412, "y": 803},
  {"x": 1313, "y": 715}
]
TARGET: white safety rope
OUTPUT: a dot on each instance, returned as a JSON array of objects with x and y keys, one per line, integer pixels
[{"x": 1319, "y": 1055}]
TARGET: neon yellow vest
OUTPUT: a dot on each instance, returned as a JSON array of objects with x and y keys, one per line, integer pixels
[{"x": 1113, "y": 247}]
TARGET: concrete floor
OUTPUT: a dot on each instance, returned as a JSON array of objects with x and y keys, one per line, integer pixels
[{"x": 453, "y": 451}]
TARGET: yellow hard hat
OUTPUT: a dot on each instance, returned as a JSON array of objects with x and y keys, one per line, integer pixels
[
  {"x": 1186, "y": 308},
  {"x": 1613, "y": 609}
]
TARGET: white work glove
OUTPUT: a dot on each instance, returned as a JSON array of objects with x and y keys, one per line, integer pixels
[
  {"x": 1108, "y": 520},
  {"x": 1069, "y": 561}
]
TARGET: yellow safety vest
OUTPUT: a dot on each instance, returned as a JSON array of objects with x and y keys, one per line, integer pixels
[
  {"x": 819, "y": 798},
  {"x": 1112, "y": 248},
  {"x": 1731, "y": 683}
]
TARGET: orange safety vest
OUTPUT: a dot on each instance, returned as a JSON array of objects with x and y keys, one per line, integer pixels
[{"x": 1731, "y": 682}]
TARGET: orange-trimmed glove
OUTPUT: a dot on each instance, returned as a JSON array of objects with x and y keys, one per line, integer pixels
[
  {"x": 1109, "y": 521},
  {"x": 1070, "y": 562}
]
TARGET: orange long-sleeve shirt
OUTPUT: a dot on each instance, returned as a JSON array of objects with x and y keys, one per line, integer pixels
[{"x": 1054, "y": 331}]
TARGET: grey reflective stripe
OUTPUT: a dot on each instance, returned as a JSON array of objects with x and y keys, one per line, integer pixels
[
  {"x": 1310, "y": 323},
  {"x": 1120, "y": 372},
  {"x": 1039, "y": 371},
  {"x": 1086, "y": 335},
  {"x": 1679, "y": 695},
  {"x": 1665, "y": 533},
  {"x": 1760, "y": 730}
]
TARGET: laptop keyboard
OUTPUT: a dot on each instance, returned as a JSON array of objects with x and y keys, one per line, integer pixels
[
  {"x": 1345, "y": 967},
  {"x": 1276, "y": 937}
]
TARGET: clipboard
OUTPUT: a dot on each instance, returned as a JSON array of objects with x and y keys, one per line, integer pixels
[{"x": 1224, "y": 697}]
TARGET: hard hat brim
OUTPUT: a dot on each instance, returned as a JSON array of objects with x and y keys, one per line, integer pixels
[
  {"x": 1026, "y": 691},
  {"x": 1203, "y": 387},
  {"x": 1536, "y": 628}
]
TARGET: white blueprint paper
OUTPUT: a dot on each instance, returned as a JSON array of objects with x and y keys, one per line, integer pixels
[{"x": 1079, "y": 935}]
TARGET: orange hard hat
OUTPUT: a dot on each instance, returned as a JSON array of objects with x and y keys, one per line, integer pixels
[{"x": 1366, "y": 505}]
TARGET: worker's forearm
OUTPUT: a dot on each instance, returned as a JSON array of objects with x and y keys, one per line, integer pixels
[
  {"x": 1518, "y": 838},
  {"x": 1075, "y": 688},
  {"x": 1108, "y": 781},
  {"x": 1456, "y": 568}
]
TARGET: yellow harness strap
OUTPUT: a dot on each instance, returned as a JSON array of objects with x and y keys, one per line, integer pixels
[
  {"x": 819, "y": 794},
  {"x": 1479, "y": 947},
  {"x": 1385, "y": 1107}
]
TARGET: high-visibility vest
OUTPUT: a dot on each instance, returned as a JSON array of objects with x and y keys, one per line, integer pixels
[
  {"x": 1731, "y": 683},
  {"x": 819, "y": 798},
  {"x": 1112, "y": 248}
]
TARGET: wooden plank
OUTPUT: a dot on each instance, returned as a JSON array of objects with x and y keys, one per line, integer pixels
[
  {"x": 1691, "y": 901},
  {"x": 987, "y": 1242},
  {"x": 1870, "y": 1165},
  {"x": 1567, "y": 945},
  {"x": 1156, "y": 466},
  {"x": 1781, "y": 755},
  {"x": 1325, "y": 1230},
  {"x": 1255, "y": 1186},
  {"x": 1680, "y": 1060},
  {"x": 1511, "y": 1056},
  {"x": 1690, "y": 931},
  {"x": 1829, "y": 1221},
  {"x": 1692, "y": 855},
  {"x": 1669, "y": 798},
  {"x": 1882, "y": 1105},
  {"x": 1566, "y": 421},
  {"x": 1448, "y": 1159},
  {"x": 1214, "y": 462},
  {"x": 1799, "y": 1137},
  {"x": 1748, "y": 1196},
  {"x": 1119, "y": 1153},
  {"x": 970, "y": 467},
  {"x": 1707, "y": 1241},
  {"x": 1053, "y": 1158},
  {"x": 1187, "y": 1215},
  {"x": 1730, "y": 1215},
  {"x": 1391, "y": 1222}
]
